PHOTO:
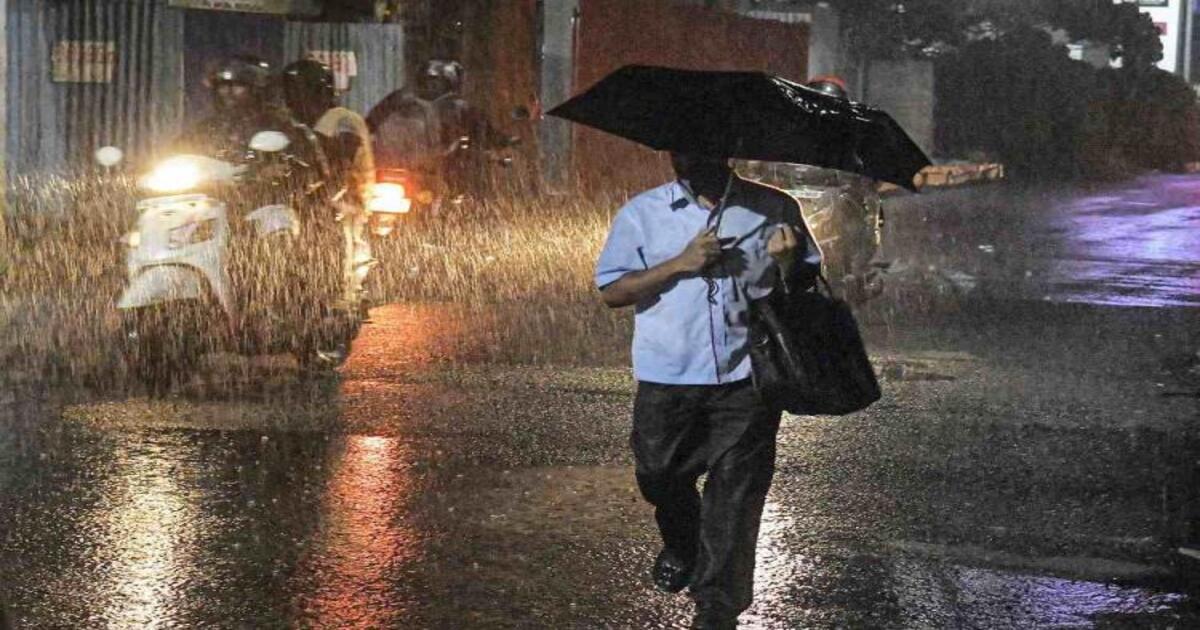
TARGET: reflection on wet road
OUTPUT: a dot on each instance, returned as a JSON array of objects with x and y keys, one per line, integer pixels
[
  {"x": 366, "y": 545},
  {"x": 1139, "y": 247},
  {"x": 1130, "y": 244}
]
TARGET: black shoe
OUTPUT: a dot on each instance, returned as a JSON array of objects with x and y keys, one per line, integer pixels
[
  {"x": 713, "y": 617},
  {"x": 670, "y": 573}
]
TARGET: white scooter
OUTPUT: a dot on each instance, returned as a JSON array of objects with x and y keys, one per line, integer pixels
[{"x": 201, "y": 278}]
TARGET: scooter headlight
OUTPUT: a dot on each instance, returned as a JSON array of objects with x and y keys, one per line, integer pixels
[{"x": 174, "y": 175}]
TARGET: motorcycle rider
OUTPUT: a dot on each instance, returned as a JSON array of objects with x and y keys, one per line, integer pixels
[
  {"x": 243, "y": 106},
  {"x": 310, "y": 93},
  {"x": 829, "y": 84},
  {"x": 433, "y": 128},
  {"x": 858, "y": 233}
]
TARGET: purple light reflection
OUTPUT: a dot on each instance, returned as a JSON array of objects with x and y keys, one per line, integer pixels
[
  {"x": 1041, "y": 602},
  {"x": 1137, "y": 248}
]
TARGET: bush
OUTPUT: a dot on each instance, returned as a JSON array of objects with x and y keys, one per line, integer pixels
[
  {"x": 1141, "y": 120},
  {"x": 1020, "y": 98}
]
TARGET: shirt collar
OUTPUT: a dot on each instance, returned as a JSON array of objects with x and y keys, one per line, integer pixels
[{"x": 681, "y": 195}]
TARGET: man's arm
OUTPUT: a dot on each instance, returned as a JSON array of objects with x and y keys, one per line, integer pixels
[{"x": 636, "y": 286}]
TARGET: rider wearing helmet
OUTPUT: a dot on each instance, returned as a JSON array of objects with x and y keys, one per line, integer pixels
[
  {"x": 853, "y": 234},
  {"x": 829, "y": 84},
  {"x": 310, "y": 93},
  {"x": 244, "y": 104},
  {"x": 424, "y": 128}
]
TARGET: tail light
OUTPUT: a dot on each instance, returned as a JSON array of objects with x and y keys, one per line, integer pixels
[
  {"x": 388, "y": 198},
  {"x": 386, "y": 201}
]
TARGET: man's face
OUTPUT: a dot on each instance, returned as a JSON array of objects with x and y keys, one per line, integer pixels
[
  {"x": 232, "y": 95},
  {"x": 432, "y": 86},
  {"x": 705, "y": 174}
]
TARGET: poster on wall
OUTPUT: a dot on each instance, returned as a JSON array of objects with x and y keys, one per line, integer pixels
[
  {"x": 81, "y": 61},
  {"x": 278, "y": 7},
  {"x": 343, "y": 63}
]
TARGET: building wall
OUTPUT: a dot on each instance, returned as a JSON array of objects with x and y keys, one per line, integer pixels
[{"x": 614, "y": 33}]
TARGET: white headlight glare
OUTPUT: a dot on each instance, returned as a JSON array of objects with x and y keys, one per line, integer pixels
[{"x": 173, "y": 175}]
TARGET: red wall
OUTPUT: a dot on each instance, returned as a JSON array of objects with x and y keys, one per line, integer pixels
[{"x": 614, "y": 33}]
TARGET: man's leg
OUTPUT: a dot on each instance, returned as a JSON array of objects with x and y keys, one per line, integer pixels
[
  {"x": 667, "y": 445},
  {"x": 740, "y": 468}
]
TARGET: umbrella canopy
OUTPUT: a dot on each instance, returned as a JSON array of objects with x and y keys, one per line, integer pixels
[{"x": 747, "y": 115}]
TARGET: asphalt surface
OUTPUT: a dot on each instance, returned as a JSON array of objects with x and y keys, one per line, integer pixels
[{"x": 1031, "y": 464}]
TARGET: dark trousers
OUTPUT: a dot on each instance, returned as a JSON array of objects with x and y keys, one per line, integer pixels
[{"x": 683, "y": 431}]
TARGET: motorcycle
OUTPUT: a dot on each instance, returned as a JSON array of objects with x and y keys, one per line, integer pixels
[
  {"x": 844, "y": 214},
  {"x": 213, "y": 263},
  {"x": 461, "y": 171}
]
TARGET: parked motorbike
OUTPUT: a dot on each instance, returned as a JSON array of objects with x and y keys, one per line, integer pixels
[
  {"x": 216, "y": 263},
  {"x": 844, "y": 213}
]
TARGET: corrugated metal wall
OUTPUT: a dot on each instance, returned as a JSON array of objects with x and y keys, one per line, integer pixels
[
  {"x": 378, "y": 51},
  {"x": 55, "y": 126}
]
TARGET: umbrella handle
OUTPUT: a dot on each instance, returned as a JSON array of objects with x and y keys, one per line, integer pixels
[
  {"x": 728, "y": 187},
  {"x": 724, "y": 199}
]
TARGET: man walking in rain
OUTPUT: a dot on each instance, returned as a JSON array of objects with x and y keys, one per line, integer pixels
[{"x": 690, "y": 270}]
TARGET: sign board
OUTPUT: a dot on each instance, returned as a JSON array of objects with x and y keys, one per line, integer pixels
[
  {"x": 79, "y": 61},
  {"x": 278, "y": 7},
  {"x": 343, "y": 63}
]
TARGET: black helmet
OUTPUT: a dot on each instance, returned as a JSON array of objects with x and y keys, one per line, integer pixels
[
  {"x": 246, "y": 70},
  {"x": 309, "y": 82},
  {"x": 829, "y": 84},
  {"x": 449, "y": 71}
]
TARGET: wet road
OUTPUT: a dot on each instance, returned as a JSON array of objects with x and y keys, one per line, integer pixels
[
  {"x": 1030, "y": 466},
  {"x": 1136, "y": 244}
]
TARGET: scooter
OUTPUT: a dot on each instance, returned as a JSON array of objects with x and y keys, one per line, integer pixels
[{"x": 203, "y": 277}]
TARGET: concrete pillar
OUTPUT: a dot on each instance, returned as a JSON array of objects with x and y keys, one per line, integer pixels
[
  {"x": 904, "y": 89},
  {"x": 1188, "y": 21},
  {"x": 3, "y": 130},
  {"x": 824, "y": 41},
  {"x": 560, "y": 20}
]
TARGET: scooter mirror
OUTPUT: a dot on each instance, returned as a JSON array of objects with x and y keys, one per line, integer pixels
[
  {"x": 109, "y": 156},
  {"x": 269, "y": 141}
]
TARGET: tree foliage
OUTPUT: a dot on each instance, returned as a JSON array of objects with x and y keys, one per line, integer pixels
[
  {"x": 1020, "y": 99},
  {"x": 888, "y": 29}
]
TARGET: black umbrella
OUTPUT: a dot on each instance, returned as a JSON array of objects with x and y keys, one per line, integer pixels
[{"x": 747, "y": 115}]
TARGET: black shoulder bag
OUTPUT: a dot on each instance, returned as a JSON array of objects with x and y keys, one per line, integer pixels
[{"x": 806, "y": 352}]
